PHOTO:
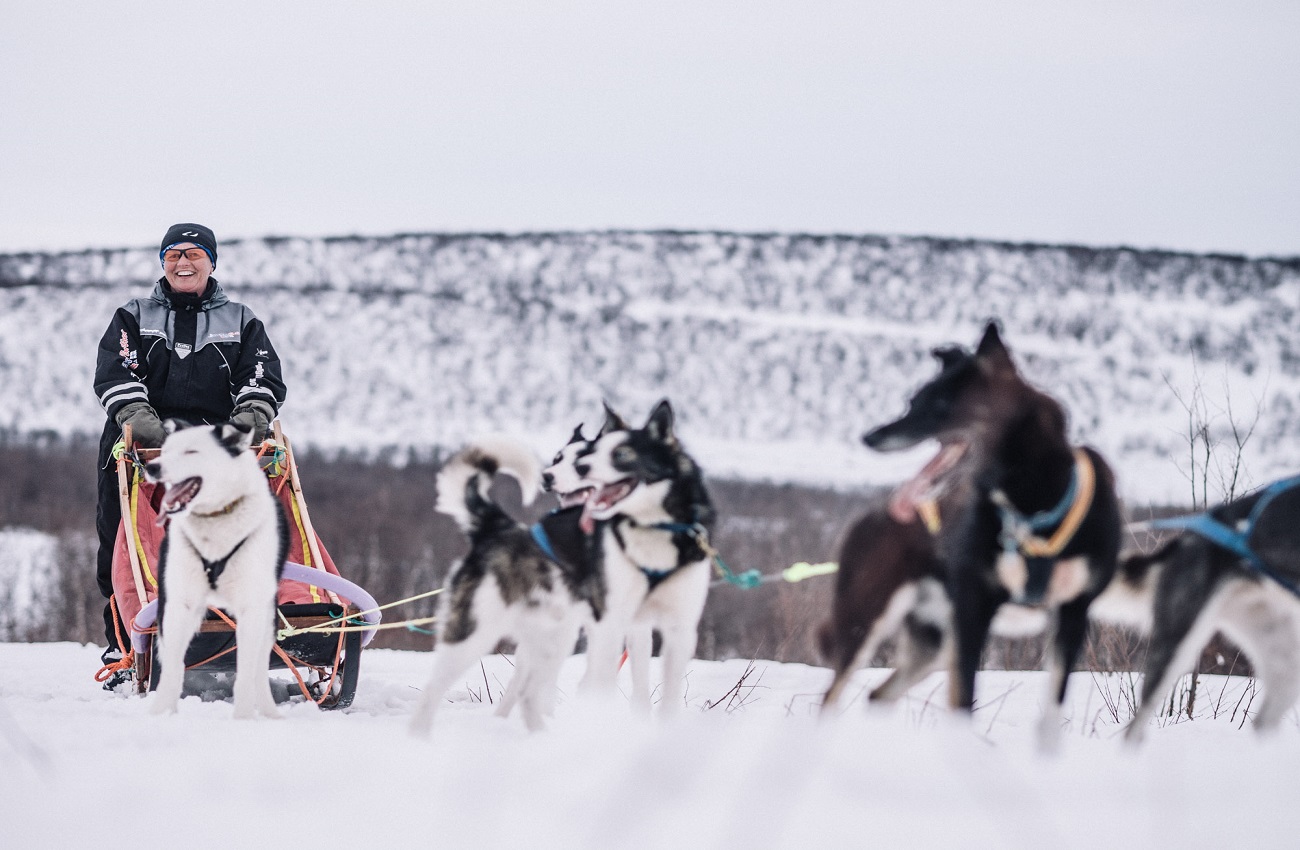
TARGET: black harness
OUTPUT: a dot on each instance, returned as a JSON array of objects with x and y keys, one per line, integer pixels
[{"x": 214, "y": 569}]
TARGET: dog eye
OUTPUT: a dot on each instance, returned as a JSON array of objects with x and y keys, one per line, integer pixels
[{"x": 624, "y": 454}]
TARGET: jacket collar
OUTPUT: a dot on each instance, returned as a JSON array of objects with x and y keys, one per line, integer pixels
[{"x": 212, "y": 297}]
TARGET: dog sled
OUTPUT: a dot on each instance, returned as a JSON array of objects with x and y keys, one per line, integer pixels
[{"x": 323, "y": 620}]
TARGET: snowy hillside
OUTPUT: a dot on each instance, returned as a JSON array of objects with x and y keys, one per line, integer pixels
[{"x": 778, "y": 350}]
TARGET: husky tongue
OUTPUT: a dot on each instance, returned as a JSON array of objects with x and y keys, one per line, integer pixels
[
  {"x": 180, "y": 495},
  {"x": 903, "y": 502},
  {"x": 606, "y": 497}
]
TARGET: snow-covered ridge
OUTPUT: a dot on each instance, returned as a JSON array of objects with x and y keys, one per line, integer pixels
[{"x": 778, "y": 350}]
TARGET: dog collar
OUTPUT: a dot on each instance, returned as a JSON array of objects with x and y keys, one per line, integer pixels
[
  {"x": 1022, "y": 533},
  {"x": 221, "y": 512}
]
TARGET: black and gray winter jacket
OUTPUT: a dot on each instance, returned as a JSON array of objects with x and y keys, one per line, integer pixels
[{"x": 192, "y": 357}]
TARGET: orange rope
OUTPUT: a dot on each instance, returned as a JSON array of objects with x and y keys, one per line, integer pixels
[
  {"x": 278, "y": 651},
  {"x": 289, "y": 662},
  {"x": 106, "y": 672}
]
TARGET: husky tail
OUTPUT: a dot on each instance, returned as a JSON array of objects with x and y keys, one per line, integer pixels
[{"x": 464, "y": 481}]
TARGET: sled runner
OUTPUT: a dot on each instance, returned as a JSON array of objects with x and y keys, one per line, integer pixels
[{"x": 323, "y": 619}]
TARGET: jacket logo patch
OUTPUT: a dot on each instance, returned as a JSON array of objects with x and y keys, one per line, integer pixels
[
  {"x": 127, "y": 353},
  {"x": 183, "y": 350}
]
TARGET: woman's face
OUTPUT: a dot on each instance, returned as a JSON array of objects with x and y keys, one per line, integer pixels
[{"x": 187, "y": 267}]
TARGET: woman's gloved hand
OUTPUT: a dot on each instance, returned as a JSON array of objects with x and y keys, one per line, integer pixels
[
  {"x": 146, "y": 427},
  {"x": 255, "y": 416}
]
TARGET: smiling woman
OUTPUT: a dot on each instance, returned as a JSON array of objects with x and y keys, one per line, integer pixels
[{"x": 187, "y": 352}]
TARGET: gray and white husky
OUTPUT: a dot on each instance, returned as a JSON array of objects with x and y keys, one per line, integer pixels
[
  {"x": 1189, "y": 588},
  {"x": 225, "y": 547},
  {"x": 509, "y": 585},
  {"x": 649, "y": 517}
]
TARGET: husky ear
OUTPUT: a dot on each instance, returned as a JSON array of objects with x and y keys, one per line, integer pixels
[
  {"x": 660, "y": 424},
  {"x": 236, "y": 440},
  {"x": 171, "y": 426},
  {"x": 577, "y": 435},
  {"x": 991, "y": 349},
  {"x": 950, "y": 355},
  {"x": 613, "y": 422}
]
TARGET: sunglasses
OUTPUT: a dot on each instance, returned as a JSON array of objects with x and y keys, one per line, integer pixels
[{"x": 192, "y": 254}]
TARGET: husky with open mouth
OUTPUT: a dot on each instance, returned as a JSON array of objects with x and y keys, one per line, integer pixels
[
  {"x": 561, "y": 478},
  {"x": 1038, "y": 522},
  {"x": 225, "y": 546},
  {"x": 650, "y": 518}
]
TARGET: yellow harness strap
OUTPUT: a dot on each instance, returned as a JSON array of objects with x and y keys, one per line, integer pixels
[{"x": 1037, "y": 547}]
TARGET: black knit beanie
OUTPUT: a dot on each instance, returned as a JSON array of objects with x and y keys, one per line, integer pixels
[{"x": 190, "y": 232}]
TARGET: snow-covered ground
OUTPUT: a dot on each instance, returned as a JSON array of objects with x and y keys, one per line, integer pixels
[{"x": 748, "y": 764}]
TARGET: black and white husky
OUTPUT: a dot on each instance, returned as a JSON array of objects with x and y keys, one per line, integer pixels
[
  {"x": 531, "y": 584},
  {"x": 225, "y": 547},
  {"x": 649, "y": 517},
  {"x": 1190, "y": 587},
  {"x": 561, "y": 478}
]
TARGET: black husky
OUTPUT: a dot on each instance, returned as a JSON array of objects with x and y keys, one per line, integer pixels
[
  {"x": 1040, "y": 522},
  {"x": 1192, "y": 586}
]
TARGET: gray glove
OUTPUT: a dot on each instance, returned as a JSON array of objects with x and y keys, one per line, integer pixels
[
  {"x": 255, "y": 416},
  {"x": 146, "y": 427}
]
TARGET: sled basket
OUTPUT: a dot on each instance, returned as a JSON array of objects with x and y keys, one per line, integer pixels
[{"x": 312, "y": 594}]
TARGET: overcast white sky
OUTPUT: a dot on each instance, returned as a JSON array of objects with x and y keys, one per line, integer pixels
[{"x": 1154, "y": 124}]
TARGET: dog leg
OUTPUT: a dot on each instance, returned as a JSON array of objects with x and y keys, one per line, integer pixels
[
  {"x": 856, "y": 649},
  {"x": 923, "y": 647},
  {"x": 679, "y": 631},
  {"x": 640, "y": 644},
  {"x": 604, "y": 646},
  {"x": 180, "y": 621},
  {"x": 678, "y": 648},
  {"x": 973, "y": 610},
  {"x": 450, "y": 661},
  {"x": 1267, "y": 632},
  {"x": 850, "y": 660},
  {"x": 524, "y": 664},
  {"x": 1070, "y": 632},
  {"x": 538, "y": 699},
  {"x": 1175, "y": 648},
  {"x": 254, "y": 637},
  {"x": 1186, "y": 612}
]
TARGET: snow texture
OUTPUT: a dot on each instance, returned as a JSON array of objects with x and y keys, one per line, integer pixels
[
  {"x": 778, "y": 351},
  {"x": 85, "y": 768}
]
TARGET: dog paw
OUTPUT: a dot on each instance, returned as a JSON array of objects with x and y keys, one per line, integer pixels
[{"x": 162, "y": 707}]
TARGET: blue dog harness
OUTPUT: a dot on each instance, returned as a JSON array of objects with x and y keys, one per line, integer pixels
[
  {"x": 543, "y": 541},
  {"x": 1236, "y": 540}
]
